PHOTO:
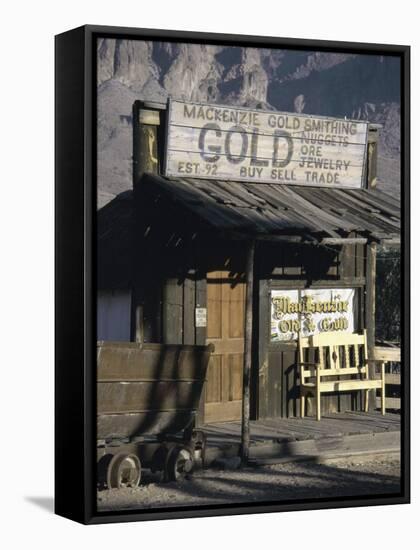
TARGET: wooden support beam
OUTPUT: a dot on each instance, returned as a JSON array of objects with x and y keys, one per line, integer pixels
[
  {"x": 145, "y": 128},
  {"x": 147, "y": 116},
  {"x": 263, "y": 344},
  {"x": 237, "y": 236},
  {"x": 245, "y": 431},
  {"x": 139, "y": 328},
  {"x": 350, "y": 240},
  {"x": 372, "y": 166},
  {"x": 280, "y": 238},
  {"x": 145, "y": 136},
  {"x": 200, "y": 335},
  {"x": 155, "y": 105},
  {"x": 298, "y": 239},
  {"x": 371, "y": 252},
  {"x": 370, "y": 308}
]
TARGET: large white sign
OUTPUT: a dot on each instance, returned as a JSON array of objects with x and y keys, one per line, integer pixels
[
  {"x": 231, "y": 143},
  {"x": 310, "y": 311}
]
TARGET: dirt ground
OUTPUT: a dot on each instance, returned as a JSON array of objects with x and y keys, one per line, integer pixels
[{"x": 293, "y": 480}]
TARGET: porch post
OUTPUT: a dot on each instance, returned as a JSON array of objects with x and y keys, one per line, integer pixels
[
  {"x": 146, "y": 121},
  {"x": 371, "y": 259},
  {"x": 247, "y": 353}
]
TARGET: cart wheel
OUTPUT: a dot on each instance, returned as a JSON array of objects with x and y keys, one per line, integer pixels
[
  {"x": 180, "y": 463},
  {"x": 124, "y": 470},
  {"x": 103, "y": 465}
]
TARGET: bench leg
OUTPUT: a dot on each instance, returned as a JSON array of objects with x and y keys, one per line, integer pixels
[
  {"x": 366, "y": 401},
  {"x": 318, "y": 405},
  {"x": 383, "y": 388},
  {"x": 302, "y": 405}
]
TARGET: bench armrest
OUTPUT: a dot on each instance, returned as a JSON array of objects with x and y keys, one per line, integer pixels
[{"x": 303, "y": 364}]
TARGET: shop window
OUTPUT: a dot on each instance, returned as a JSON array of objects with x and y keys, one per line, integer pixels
[{"x": 388, "y": 294}]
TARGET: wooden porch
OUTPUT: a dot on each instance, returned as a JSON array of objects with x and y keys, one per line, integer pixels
[{"x": 287, "y": 439}]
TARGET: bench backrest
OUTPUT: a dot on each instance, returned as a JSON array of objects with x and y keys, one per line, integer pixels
[{"x": 336, "y": 353}]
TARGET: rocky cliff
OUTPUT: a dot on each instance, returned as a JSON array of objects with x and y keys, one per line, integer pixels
[{"x": 357, "y": 86}]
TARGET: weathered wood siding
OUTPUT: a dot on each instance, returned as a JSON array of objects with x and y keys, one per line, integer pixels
[
  {"x": 292, "y": 267},
  {"x": 174, "y": 283}
]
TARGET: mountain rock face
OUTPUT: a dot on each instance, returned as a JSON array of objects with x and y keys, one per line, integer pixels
[{"x": 363, "y": 87}]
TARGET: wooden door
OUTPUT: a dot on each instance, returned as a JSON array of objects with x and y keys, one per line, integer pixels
[{"x": 225, "y": 329}]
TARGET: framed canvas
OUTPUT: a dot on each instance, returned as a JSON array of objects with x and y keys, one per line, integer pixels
[{"x": 232, "y": 274}]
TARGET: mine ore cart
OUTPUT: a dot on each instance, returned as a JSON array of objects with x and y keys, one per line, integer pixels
[{"x": 147, "y": 399}]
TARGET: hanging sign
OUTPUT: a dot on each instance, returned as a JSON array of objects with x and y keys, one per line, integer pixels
[
  {"x": 200, "y": 317},
  {"x": 307, "y": 312},
  {"x": 234, "y": 143}
]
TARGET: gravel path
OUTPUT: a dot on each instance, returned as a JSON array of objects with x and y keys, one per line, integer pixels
[{"x": 294, "y": 480}]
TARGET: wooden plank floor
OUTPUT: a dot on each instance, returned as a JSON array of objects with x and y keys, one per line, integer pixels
[{"x": 297, "y": 429}]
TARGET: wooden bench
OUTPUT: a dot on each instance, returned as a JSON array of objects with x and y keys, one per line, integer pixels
[{"x": 334, "y": 362}]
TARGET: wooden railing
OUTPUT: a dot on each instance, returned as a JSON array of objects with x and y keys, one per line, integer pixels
[{"x": 391, "y": 355}]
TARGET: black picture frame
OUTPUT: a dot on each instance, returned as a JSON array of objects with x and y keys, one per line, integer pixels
[{"x": 75, "y": 272}]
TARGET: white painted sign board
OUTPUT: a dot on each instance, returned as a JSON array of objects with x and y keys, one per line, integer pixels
[
  {"x": 241, "y": 144},
  {"x": 200, "y": 317},
  {"x": 310, "y": 311}
]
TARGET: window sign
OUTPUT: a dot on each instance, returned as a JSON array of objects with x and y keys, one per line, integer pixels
[{"x": 311, "y": 311}]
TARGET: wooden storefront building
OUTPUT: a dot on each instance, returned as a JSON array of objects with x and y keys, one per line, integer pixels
[{"x": 172, "y": 267}]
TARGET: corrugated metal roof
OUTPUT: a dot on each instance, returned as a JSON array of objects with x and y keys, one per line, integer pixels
[{"x": 262, "y": 209}]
